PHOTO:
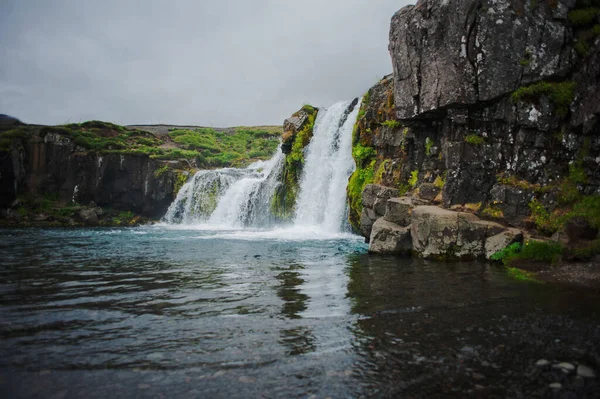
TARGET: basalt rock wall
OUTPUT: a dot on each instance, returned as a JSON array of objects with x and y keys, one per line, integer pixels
[{"x": 494, "y": 106}]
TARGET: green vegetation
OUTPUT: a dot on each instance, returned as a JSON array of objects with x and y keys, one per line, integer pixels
[
  {"x": 161, "y": 171},
  {"x": 393, "y": 124},
  {"x": 235, "y": 147},
  {"x": 474, "y": 139},
  {"x": 439, "y": 182},
  {"x": 181, "y": 177},
  {"x": 521, "y": 275},
  {"x": 21, "y": 133},
  {"x": 359, "y": 179},
  {"x": 584, "y": 16},
  {"x": 560, "y": 94},
  {"x": 537, "y": 251},
  {"x": 283, "y": 202},
  {"x": 218, "y": 149},
  {"x": 414, "y": 179},
  {"x": 428, "y": 144},
  {"x": 492, "y": 211},
  {"x": 365, "y": 157}
]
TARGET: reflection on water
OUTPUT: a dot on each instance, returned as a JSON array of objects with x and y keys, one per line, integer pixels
[{"x": 152, "y": 311}]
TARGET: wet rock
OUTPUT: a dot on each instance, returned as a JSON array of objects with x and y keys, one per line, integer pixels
[
  {"x": 542, "y": 363},
  {"x": 585, "y": 371},
  {"x": 390, "y": 238},
  {"x": 399, "y": 211},
  {"x": 500, "y": 241},
  {"x": 555, "y": 385},
  {"x": 566, "y": 367},
  {"x": 88, "y": 216}
]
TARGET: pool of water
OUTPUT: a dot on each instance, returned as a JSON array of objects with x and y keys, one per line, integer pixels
[{"x": 163, "y": 312}]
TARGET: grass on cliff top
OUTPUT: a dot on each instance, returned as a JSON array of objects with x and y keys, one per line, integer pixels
[
  {"x": 560, "y": 94},
  {"x": 236, "y": 147},
  {"x": 223, "y": 149}
]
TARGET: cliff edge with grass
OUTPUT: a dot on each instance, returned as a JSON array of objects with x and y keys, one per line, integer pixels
[{"x": 492, "y": 110}]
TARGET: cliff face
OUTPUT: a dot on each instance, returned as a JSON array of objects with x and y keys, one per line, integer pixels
[
  {"x": 496, "y": 105},
  {"x": 44, "y": 162}
]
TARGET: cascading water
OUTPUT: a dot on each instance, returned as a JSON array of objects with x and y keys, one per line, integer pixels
[
  {"x": 328, "y": 165},
  {"x": 234, "y": 198},
  {"x": 228, "y": 197}
]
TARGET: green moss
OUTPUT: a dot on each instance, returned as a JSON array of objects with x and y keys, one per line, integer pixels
[
  {"x": 583, "y": 16},
  {"x": 413, "y": 180},
  {"x": 521, "y": 275},
  {"x": 428, "y": 144},
  {"x": 532, "y": 250},
  {"x": 181, "y": 177},
  {"x": 492, "y": 211},
  {"x": 218, "y": 149},
  {"x": 20, "y": 134},
  {"x": 359, "y": 179},
  {"x": 381, "y": 169},
  {"x": 161, "y": 171},
  {"x": 393, "y": 124},
  {"x": 439, "y": 182},
  {"x": 474, "y": 139},
  {"x": 560, "y": 94},
  {"x": 362, "y": 153}
]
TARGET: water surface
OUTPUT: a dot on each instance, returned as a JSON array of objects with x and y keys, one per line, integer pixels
[{"x": 165, "y": 312}]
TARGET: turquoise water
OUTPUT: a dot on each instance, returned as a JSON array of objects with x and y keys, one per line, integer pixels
[{"x": 164, "y": 312}]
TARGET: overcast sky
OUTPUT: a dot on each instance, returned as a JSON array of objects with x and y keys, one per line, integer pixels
[{"x": 215, "y": 63}]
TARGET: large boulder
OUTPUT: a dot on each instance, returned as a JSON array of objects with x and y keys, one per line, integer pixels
[
  {"x": 459, "y": 52},
  {"x": 443, "y": 234},
  {"x": 399, "y": 210},
  {"x": 390, "y": 239}
]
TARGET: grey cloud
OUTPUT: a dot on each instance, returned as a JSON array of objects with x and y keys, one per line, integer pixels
[{"x": 225, "y": 63}]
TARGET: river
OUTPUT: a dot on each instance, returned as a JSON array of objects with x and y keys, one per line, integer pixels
[{"x": 173, "y": 311}]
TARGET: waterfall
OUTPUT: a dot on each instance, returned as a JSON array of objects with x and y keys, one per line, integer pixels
[
  {"x": 328, "y": 165},
  {"x": 228, "y": 197},
  {"x": 235, "y": 198}
]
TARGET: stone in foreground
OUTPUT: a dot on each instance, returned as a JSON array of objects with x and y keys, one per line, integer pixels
[{"x": 390, "y": 239}]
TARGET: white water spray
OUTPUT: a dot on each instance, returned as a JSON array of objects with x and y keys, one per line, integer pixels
[
  {"x": 235, "y": 198},
  {"x": 328, "y": 165}
]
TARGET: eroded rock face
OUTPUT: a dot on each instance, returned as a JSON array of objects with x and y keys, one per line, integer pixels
[
  {"x": 390, "y": 239},
  {"x": 399, "y": 210},
  {"x": 467, "y": 51},
  {"x": 460, "y": 126},
  {"x": 55, "y": 164},
  {"x": 374, "y": 198}
]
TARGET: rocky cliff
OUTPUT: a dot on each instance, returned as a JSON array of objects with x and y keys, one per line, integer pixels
[{"x": 492, "y": 107}]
